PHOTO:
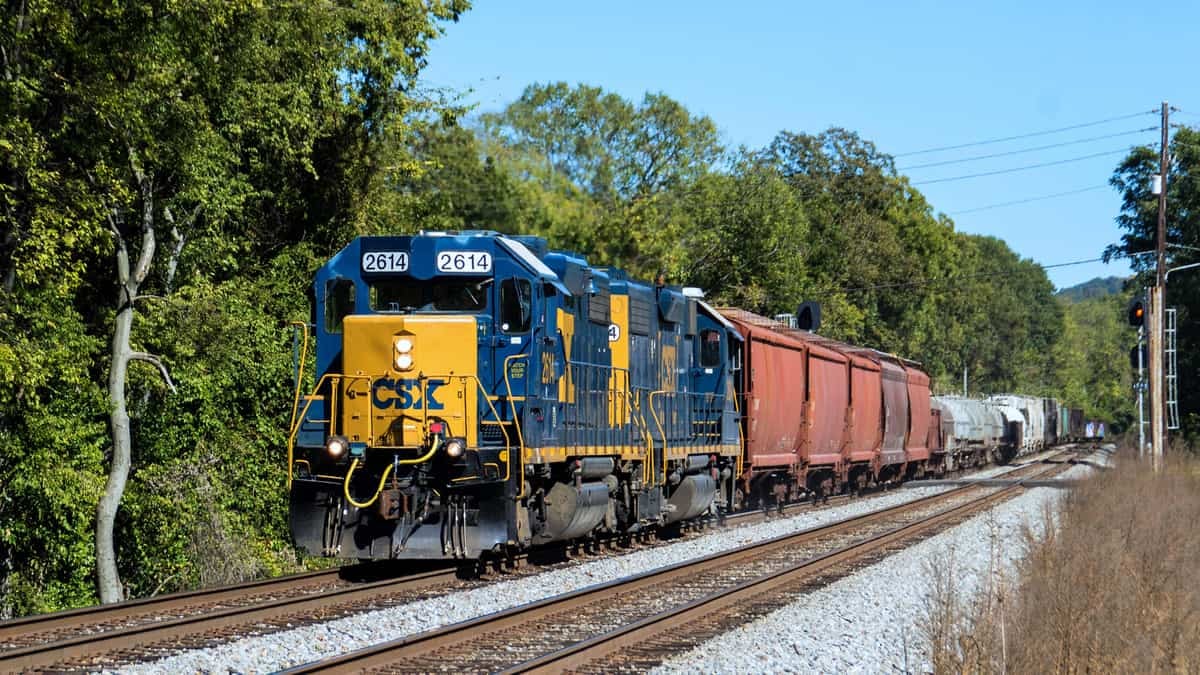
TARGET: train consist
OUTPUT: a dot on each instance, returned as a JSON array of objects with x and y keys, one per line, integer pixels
[{"x": 477, "y": 394}]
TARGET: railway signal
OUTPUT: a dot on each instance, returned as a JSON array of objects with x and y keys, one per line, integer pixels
[
  {"x": 1137, "y": 312},
  {"x": 1135, "y": 362}
]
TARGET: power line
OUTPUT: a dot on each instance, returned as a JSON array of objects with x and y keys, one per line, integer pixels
[
  {"x": 1024, "y": 150},
  {"x": 963, "y": 277},
  {"x": 1023, "y": 168},
  {"x": 1030, "y": 199},
  {"x": 1029, "y": 135}
]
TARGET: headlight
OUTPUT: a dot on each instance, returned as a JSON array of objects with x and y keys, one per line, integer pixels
[
  {"x": 455, "y": 447},
  {"x": 336, "y": 446},
  {"x": 404, "y": 345},
  {"x": 404, "y": 361}
]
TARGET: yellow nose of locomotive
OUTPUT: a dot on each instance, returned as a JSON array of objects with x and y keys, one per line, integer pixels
[{"x": 404, "y": 372}]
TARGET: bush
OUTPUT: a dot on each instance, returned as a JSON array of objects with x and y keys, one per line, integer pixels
[{"x": 1109, "y": 585}]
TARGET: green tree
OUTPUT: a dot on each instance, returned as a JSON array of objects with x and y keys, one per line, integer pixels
[
  {"x": 1139, "y": 220},
  {"x": 605, "y": 144},
  {"x": 740, "y": 236},
  {"x": 1088, "y": 358},
  {"x": 222, "y": 130}
]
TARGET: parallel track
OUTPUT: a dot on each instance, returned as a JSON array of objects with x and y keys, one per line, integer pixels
[
  {"x": 152, "y": 627},
  {"x": 591, "y": 628},
  {"x": 128, "y": 628}
]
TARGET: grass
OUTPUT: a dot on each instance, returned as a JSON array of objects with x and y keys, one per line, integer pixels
[{"x": 1111, "y": 584}]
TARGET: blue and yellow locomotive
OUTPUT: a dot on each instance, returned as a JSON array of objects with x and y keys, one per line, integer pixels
[{"x": 477, "y": 393}]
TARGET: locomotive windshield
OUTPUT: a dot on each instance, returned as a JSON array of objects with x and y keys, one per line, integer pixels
[{"x": 440, "y": 294}]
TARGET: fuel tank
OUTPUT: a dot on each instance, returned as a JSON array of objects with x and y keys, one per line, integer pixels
[
  {"x": 694, "y": 494},
  {"x": 572, "y": 512}
]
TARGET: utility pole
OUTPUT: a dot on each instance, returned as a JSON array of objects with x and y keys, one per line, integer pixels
[
  {"x": 1141, "y": 394},
  {"x": 1157, "y": 400}
]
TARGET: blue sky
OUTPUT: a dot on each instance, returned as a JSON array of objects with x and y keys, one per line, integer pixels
[{"x": 906, "y": 75}]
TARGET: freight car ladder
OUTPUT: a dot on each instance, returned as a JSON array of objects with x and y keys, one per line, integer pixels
[{"x": 1172, "y": 370}]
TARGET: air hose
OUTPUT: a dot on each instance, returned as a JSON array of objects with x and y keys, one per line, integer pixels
[{"x": 437, "y": 442}]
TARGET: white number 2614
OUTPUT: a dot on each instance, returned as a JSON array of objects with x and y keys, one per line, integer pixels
[{"x": 465, "y": 262}]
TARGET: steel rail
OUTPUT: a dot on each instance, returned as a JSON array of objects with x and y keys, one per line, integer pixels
[
  {"x": 88, "y": 616},
  {"x": 612, "y": 642},
  {"x": 424, "y": 644},
  {"x": 78, "y": 646},
  {"x": 46, "y": 644}
]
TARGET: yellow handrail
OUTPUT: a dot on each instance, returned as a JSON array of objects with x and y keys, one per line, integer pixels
[
  {"x": 517, "y": 423},
  {"x": 648, "y": 465},
  {"x": 299, "y": 419},
  {"x": 741, "y": 439},
  {"x": 337, "y": 377},
  {"x": 661, "y": 433},
  {"x": 300, "y": 369}
]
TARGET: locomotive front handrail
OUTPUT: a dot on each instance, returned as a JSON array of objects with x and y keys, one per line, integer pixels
[
  {"x": 297, "y": 421},
  {"x": 335, "y": 380},
  {"x": 299, "y": 370}
]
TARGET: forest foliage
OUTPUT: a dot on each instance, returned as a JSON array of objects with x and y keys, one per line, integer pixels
[{"x": 257, "y": 141}]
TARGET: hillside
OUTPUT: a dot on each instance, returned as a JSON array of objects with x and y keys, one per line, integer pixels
[{"x": 1094, "y": 288}]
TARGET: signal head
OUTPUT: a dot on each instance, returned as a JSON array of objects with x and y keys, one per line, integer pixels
[{"x": 1137, "y": 312}]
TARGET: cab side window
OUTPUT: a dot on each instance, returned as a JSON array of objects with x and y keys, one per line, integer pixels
[
  {"x": 710, "y": 348},
  {"x": 339, "y": 302},
  {"x": 516, "y": 303}
]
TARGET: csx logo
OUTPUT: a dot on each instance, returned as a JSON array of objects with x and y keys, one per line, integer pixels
[{"x": 406, "y": 394}]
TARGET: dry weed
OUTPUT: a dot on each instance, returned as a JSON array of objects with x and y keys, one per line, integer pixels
[{"x": 1109, "y": 584}]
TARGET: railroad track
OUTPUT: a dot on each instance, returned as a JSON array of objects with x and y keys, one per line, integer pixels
[
  {"x": 635, "y": 622},
  {"x": 150, "y": 628},
  {"x": 140, "y": 629}
]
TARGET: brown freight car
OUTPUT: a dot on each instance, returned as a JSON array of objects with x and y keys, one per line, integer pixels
[
  {"x": 795, "y": 401},
  {"x": 916, "y": 447},
  {"x": 862, "y": 452},
  {"x": 887, "y": 426},
  {"x": 937, "y": 449},
  {"x": 892, "y": 456},
  {"x": 864, "y": 415}
]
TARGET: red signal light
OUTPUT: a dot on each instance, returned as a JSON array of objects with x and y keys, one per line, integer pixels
[{"x": 436, "y": 427}]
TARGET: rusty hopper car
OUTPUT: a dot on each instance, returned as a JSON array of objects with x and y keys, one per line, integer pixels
[
  {"x": 861, "y": 453},
  {"x": 890, "y": 412},
  {"x": 916, "y": 448},
  {"x": 933, "y": 440},
  {"x": 796, "y": 399}
]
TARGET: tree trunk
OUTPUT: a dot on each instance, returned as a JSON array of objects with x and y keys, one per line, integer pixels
[{"x": 107, "y": 579}]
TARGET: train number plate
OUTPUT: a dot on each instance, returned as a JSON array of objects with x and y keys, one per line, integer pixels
[
  {"x": 465, "y": 262},
  {"x": 385, "y": 261}
]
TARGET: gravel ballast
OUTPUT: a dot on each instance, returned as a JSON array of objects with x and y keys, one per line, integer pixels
[
  {"x": 271, "y": 652},
  {"x": 870, "y": 622}
]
